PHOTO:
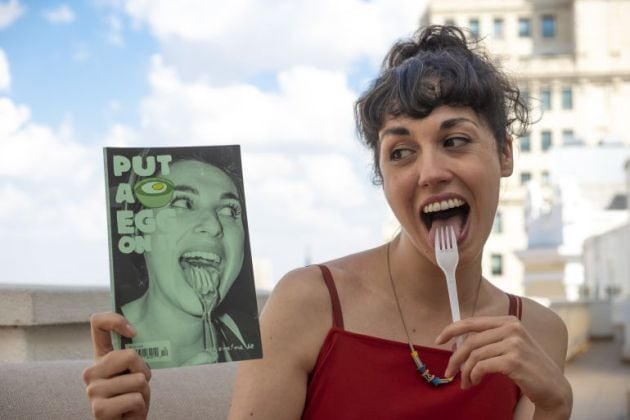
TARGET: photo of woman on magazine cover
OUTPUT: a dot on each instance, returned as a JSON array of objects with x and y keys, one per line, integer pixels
[{"x": 194, "y": 302}]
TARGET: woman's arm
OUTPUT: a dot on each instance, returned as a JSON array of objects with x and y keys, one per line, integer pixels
[
  {"x": 117, "y": 384},
  {"x": 294, "y": 323},
  {"x": 524, "y": 409},
  {"x": 531, "y": 353}
]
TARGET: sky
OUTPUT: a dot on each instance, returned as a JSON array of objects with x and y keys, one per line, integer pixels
[{"x": 279, "y": 78}]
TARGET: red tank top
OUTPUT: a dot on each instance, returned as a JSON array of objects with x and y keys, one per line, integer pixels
[{"x": 363, "y": 377}]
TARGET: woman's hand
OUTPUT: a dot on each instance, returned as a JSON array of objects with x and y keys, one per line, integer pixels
[
  {"x": 118, "y": 381},
  {"x": 503, "y": 345}
]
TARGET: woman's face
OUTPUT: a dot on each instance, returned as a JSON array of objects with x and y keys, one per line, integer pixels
[
  {"x": 199, "y": 249},
  {"x": 446, "y": 161}
]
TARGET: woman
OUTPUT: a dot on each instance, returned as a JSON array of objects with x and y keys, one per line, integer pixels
[
  {"x": 196, "y": 254},
  {"x": 439, "y": 120}
]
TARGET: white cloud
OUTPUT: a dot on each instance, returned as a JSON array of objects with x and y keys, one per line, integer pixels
[
  {"x": 311, "y": 106},
  {"x": 10, "y": 12},
  {"x": 121, "y": 135},
  {"x": 333, "y": 177},
  {"x": 299, "y": 202},
  {"x": 14, "y": 201},
  {"x": 305, "y": 183},
  {"x": 60, "y": 15},
  {"x": 115, "y": 30},
  {"x": 251, "y": 36},
  {"x": 53, "y": 212},
  {"x": 81, "y": 53},
  {"x": 13, "y": 117},
  {"x": 5, "y": 72}
]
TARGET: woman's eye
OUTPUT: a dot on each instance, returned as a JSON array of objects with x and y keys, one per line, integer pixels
[
  {"x": 232, "y": 210},
  {"x": 455, "y": 141},
  {"x": 181, "y": 203},
  {"x": 398, "y": 154}
]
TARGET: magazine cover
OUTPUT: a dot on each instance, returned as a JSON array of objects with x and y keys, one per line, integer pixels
[{"x": 180, "y": 259}]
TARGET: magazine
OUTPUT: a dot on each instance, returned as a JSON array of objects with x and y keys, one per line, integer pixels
[{"x": 180, "y": 259}]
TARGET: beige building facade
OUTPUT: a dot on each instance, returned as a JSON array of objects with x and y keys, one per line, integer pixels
[{"x": 571, "y": 58}]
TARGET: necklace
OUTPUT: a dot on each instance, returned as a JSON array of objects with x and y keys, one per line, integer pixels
[{"x": 421, "y": 367}]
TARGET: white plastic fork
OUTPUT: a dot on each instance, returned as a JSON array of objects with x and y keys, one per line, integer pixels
[{"x": 447, "y": 257}]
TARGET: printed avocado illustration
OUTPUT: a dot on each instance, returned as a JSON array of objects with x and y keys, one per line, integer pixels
[{"x": 154, "y": 192}]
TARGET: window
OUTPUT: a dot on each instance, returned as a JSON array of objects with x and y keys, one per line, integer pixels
[
  {"x": 568, "y": 136},
  {"x": 525, "y": 143},
  {"x": 546, "y": 139},
  {"x": 473, "y": 25},
  {"x": 567, "y": 98},
  {"x": 524, "y": 27},
  {"x": 498, "y": 28},
  {"x": 545, "y": 99},
  {"x": 525, "y": 177},
  {"x": 496, "y": 261},
  {"x": 548, "y": 26},
  {"x": 545, "y": 177},
  {"x": 497, "y": 225}
]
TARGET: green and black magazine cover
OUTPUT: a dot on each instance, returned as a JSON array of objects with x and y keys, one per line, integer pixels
[{"x": 180, "y": 259}]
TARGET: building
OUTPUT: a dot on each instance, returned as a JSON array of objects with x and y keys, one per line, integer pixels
[
  {"x": 607, "y": 270},
  {"x": 571, "y": 58},
  {"x": 585, "y": 203}
]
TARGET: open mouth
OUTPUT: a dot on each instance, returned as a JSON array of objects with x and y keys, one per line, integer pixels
[
  {"x": 201, "y": 270},
  {"x": 452, "y": 212}
]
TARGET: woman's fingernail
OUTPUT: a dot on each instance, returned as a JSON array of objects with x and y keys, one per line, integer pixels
[{"x": 131, "y": 329}]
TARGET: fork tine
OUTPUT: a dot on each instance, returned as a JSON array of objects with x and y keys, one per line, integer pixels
[
  {"x": 447, "y": 244},
  {"x": 442, "y": 239},
  {"x": 447, "y": 232},
  {"x": 453, "y": 238},
  {"x": 447, "y": 238},
  {"x": 437, "y": 238}
]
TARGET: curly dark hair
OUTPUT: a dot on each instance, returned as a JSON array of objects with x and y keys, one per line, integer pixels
[{"x": 439, "y": 66}]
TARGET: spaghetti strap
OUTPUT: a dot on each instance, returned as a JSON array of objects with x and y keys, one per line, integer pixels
[
  {"x": 516, "y": 306},
  {"x": 334, "y": 297}
]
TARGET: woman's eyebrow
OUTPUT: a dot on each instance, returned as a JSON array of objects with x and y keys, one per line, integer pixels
[
  {"x": 230, "y": 195},
  {"x": 193, "y": 190},
  {"x": 187, "y": 188},
  {"x": 395, "y": 131},
  {"x": 452, "y": 122}
]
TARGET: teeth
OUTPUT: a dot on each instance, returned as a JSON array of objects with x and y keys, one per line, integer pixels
[
  {"x": 210, "y": 256},
  {"x": 443, "y": 205}
]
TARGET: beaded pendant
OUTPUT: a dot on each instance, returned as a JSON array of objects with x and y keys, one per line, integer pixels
[
  {"x": 428, "y": 376},
  {"x": 420, "y": 367}
]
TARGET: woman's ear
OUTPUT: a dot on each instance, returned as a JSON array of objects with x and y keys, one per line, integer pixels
[{"x": 507, "y": 157}]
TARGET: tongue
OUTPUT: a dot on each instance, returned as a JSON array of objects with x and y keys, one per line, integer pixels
[
  {"x": 201, "y": 279},
  {"x": 454, "y": 221}
]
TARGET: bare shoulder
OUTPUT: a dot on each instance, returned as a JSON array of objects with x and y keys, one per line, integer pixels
[
  {"x": 354, "y": 271},
  {"x": 547, "y": 328},
  {"x": 293, "y": 326},
  {"x": 297, "y": 316},
  {"x": 302, "y": 289},
  {"x": 300, "y": 309}
]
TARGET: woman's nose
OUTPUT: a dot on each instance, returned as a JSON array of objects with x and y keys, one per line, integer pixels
[
  {"x": 433, "y": 170},
  {"x": 209, "y": 223}
]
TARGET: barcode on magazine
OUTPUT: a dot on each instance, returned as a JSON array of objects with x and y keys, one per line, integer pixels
[{"x": 154, "y": 351}]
